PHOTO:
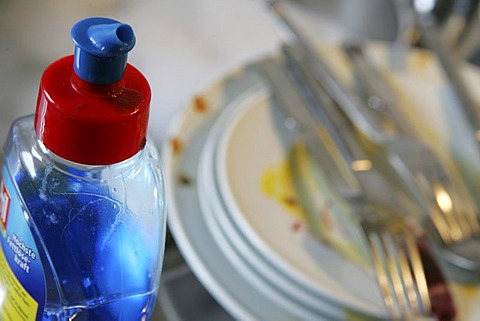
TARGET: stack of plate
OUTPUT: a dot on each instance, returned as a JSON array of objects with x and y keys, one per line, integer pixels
[{"x": 234, "y": 216}]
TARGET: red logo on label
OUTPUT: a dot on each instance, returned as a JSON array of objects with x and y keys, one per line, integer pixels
[{"x": 4, "y": 204}]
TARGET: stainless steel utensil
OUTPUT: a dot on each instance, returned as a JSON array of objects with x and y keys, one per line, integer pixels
[
  {"x": 351, "y": 104},
  {"x": 429, "y": 32},
  {"x": 456, "y": 23},
  {"x": 421, "y": 176},
  {"x": 376, "y": 93},
  {"x": 424, "y": 173},
  {"x": 450, "y": 65},
  {"x": 357, "y": 156},
  {"x": 391, "y": 243}
]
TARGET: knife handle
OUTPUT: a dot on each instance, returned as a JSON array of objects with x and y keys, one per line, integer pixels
[
  {"x": 375, "y": 89},
  {"x": 321, "y": 146},
  {"x": 324, "y": 109}
]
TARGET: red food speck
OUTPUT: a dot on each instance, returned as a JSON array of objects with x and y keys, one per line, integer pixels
[
  {"x": 443, "y": 308},
  {"x": 297, "y": 226}
]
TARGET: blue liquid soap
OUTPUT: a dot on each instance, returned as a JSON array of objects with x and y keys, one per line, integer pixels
[{"x": 81, "y": 195}]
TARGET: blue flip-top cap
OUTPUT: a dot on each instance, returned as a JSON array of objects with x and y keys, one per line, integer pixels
[{"x": 101, "y": 49}]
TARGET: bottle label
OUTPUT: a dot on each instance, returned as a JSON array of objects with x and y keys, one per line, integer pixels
[{"x": 22, "y": 280}]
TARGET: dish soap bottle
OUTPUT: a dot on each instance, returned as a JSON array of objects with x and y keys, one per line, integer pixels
[{"x": 82, "y": 195}]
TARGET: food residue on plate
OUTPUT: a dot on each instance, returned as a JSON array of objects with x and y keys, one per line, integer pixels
[
  {"x": 295, "y": 185},
  {"x": 177, "y": 145},
  {"x": 277, "y": 184},
  {"x": 184, "y": 179},
  {"x": 200, "y": 105}
]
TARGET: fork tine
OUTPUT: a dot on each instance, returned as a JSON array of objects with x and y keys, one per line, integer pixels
[
  {"x": 391, "y": 251},
  {"x": 447, "y": 202},
  {"x": 440, "y": 224},
  {"x": 418, "y": 271},
  {"x": 399, "y": 272},
  {"x": 448, "y": 230},
  {"x": 454, "y": 223},
  {"x": 466, "y": 217},
  {"x": 460, "y": 223},
  {"x": 472, "y": 219},
  {"x": 381, "y": 275},
  {"x": 473, "y": 222},
  {"x": 408, "y": 280}
]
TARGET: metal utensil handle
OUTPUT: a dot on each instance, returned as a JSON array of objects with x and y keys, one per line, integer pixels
[
  {"x": 449, "y": 65},
  {"x": 350, "y": 103},
  {"x": 375, "y": 85},
  {"x": 292, "y": 105},
  {"x": 324, "y": 109}
]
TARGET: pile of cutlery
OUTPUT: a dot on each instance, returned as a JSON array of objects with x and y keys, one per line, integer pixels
[{"x": 373, "y": 159}]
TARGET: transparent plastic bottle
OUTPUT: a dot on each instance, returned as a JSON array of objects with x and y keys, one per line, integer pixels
[{"x": 82, "y": 195}]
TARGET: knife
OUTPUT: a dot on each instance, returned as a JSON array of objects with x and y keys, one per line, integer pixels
[
  {"x": 377, "y": 94},
  {"x": 350, "y": 103},
  {"x": 293, "y": 107},
  {"x": 354, "y": 186}
]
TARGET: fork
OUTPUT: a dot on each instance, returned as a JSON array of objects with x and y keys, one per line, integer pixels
[
  {"x": 415, "y": 167},
  {"x": 450, "y": 65},
  {"x": 405, "y": 161},
  {"x": 391, "y": 242},
  {"x": 422, "y": 171},
  {"x": 397, "y": 263}
]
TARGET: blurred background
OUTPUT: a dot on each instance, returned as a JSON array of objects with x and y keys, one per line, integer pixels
[{"x": 182, "y": 47}]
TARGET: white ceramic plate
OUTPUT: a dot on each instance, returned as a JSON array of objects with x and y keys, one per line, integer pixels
[
  {"x": 269, "y": 280},
  {"x": 204, "y": 256},
  {"x": 314, "y": 271},
  {"x": 277, "y": 276}
]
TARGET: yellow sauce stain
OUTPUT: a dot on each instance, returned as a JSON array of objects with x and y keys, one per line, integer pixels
[
  {"x": 469, "y": 290},
  {"x": 356, "y": 316},
  {"x": 466, "y": 298},
  {"x": 310, "y": 204},
  {"x": 277, "y": 183}
]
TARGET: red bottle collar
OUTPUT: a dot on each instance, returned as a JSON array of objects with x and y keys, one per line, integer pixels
[{"x": 92, "y": 124}]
